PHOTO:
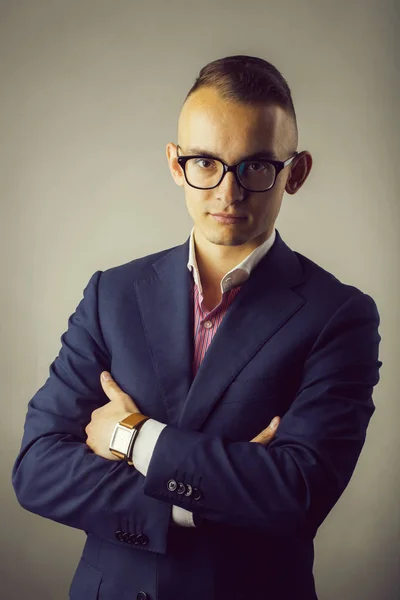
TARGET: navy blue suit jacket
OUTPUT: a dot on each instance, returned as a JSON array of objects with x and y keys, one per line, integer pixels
[{"x": 296, "y": 342}]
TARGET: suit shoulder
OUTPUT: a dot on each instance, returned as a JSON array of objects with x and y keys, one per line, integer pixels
[
  {"x": 327, "y": 284},
  {"x": 136, "y": 269}
]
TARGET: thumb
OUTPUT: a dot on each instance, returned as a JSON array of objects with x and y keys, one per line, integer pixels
[{"x": 110, "y": 387}]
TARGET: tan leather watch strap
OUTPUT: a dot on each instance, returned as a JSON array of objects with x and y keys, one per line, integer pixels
[{"x": 134, "y": 420}]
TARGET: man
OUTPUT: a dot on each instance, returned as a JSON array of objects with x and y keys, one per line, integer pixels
[{"x": 170, "y": 465}]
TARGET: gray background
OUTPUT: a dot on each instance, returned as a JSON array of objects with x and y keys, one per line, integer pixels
[{"x": 90, "y": 95}]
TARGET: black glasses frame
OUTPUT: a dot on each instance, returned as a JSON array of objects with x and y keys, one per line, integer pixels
[{"x": 277, "y": 164}]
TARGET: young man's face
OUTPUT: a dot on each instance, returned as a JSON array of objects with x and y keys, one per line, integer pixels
[{"x": 232, "y": 132}]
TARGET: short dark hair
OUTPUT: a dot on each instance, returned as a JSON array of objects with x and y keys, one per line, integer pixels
[{"x": 248, "y": 80}]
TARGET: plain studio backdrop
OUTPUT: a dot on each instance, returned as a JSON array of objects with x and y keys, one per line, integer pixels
[{"x": 90, "y": 93}]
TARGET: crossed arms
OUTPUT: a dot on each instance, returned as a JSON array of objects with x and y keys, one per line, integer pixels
[{"x": 291, "y": 486}]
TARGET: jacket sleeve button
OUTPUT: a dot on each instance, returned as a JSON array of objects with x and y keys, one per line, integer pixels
[
  {"x": 189, "y": 490},
  {"x": 125, "y": 536},
  {"x": 142, "y": 596},
  {"x": 119, "y": 535},
  {"x": 132, "y": 538},
  {"x": 172, "y": 485},
  {"x": 142, "y": 539},
  {"x": 181, "y": 488},
  {"x": 196, "y": 494}
]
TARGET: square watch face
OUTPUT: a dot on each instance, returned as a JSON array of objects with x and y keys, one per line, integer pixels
[{"x": 121, "y": 438}]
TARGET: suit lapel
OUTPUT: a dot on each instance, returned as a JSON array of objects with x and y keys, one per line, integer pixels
[
  {"x": 166, "y": 310},
  {"x": 264, "y": 304}
]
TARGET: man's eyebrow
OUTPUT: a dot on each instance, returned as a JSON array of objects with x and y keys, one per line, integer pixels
[{"x": 260, "y": 154}]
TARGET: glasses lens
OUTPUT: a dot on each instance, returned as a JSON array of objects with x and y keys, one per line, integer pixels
[
  {"x": 204, "y": 172},
  {"x": 256, "y": 175}
]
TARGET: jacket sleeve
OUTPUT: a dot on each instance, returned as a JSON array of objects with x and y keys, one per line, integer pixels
[
  {"x": 56, "y": 475},
  {"x": 288, "y": 487}
]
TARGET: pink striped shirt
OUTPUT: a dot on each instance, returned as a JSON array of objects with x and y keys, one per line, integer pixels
[{"x": 207, "y": 322}]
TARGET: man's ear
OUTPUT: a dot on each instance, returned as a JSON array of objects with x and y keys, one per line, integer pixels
[
  {"x": 174, "y": 167},
  {"x": 299, "y": 172}
]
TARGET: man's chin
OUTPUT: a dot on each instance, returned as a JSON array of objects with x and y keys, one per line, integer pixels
[{"x": 225, "y": 237}]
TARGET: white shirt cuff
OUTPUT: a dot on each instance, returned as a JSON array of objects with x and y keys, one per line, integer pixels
[
  {"x": 144, "y": 444},
  {"x": 182, "y": 517}
]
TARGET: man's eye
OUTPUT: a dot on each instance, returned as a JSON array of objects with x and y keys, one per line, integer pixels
[
  {"x": 256, "y": 166},
  {"x": 205, "y": 163}
]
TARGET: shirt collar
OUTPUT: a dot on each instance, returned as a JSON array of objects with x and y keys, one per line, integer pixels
[{"x": 239, "y": 274}]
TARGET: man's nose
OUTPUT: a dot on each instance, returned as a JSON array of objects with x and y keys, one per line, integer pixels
[{"x": 229, "y": 188}]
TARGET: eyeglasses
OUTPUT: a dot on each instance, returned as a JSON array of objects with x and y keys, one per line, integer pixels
[{"x": 254, "y": 175}]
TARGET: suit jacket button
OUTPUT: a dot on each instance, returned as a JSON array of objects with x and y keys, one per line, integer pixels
[
  {"x": 189, "y": 490},
  {"x": 142, "y": 539},
  {"x": 142, "y": 596},
  {"x": 132, "y": 538},
  {"x": 172, "y": 485},
  {"x": 181, "y": 489},
  {"x": 196, "y": 494},
  {"x": 125, "y": 536},
  {"x": 119, "y": 535}
]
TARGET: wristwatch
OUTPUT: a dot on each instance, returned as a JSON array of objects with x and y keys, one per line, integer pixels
[{"x": 124, "y": 435}]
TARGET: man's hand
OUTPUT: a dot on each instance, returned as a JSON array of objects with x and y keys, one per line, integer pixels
[
  {"x": 267, "y": 435},
  {"x": 105, "y": 418}
]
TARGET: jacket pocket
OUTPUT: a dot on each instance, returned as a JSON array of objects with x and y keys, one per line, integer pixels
[{"x": 85, "y": 583}]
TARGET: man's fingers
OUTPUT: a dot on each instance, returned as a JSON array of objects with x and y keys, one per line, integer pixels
[{"x": 268, "y": 434}]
